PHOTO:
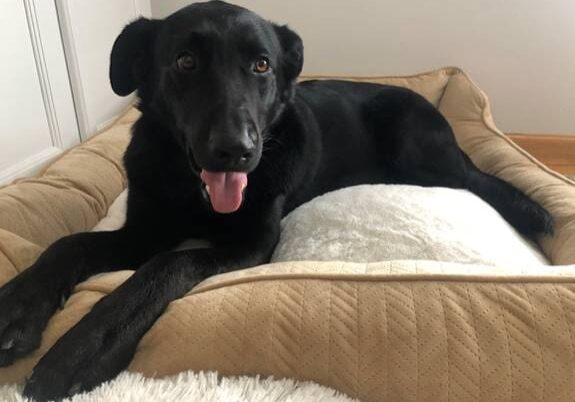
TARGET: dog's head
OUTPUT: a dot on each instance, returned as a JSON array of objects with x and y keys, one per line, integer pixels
[{"x": 220, "y": 76}]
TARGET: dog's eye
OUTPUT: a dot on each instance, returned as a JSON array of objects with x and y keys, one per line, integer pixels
[
  {"x": 262, "y": 65},
  {"x": 186, "y": 62}
]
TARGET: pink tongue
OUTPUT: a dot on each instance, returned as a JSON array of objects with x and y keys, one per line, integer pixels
[{"x": 225, "y": 190}]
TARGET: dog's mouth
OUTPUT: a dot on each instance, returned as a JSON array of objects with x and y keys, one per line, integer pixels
[{"x": 223, "y": 190}]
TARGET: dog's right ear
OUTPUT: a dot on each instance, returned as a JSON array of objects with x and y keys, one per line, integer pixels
[{"x": 131, "y": 58}]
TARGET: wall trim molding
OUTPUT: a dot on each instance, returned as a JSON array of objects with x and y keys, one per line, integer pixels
[
  {"x": 69, "y": 42},
  {"x": 50, "y": 61},
  {"x": 43, "y": 76},
  {"x": 29, "y": 166}
]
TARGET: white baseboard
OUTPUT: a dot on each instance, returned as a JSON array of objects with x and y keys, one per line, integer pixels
[{"x": 29, "y": 166}]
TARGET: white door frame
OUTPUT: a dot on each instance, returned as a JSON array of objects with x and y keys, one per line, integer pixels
[
  {"x": 43, "y": 27},
  {"x": 86, "y": 126}
]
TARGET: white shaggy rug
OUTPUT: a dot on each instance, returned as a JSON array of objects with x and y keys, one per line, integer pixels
[{"x": 197, "y": 387}]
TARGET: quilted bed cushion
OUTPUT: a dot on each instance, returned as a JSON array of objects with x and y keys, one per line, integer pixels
[{"x": 388, "y": 331}]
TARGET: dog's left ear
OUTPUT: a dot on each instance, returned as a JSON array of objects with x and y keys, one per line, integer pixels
[{"x": 292, "y": 47}]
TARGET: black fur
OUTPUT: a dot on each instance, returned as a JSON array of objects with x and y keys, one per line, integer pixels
[{"x": 218, "y": 114}]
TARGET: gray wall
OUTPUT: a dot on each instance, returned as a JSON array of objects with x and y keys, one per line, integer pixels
[{"x": 521, "y": 52}]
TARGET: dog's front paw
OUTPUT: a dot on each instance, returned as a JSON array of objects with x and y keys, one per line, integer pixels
[
  {"x": 26, "y": 305},
  {"x": 95, "y": 350}
]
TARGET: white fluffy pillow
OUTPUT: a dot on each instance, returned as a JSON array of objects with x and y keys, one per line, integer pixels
[
  {"x": 395, "y": 222},
  {"x": 392, "y": 222}
]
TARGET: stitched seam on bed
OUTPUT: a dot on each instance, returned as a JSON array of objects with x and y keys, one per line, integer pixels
[
  {"x": 394, "y": 278},
  {"x": 449, "y": 70}
]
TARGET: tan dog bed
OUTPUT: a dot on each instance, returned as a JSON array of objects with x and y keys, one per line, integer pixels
[{"x": 389, "y": 331}]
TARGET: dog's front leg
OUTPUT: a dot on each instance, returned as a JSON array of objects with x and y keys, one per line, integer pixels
[
  {"x": 104, "y": 341},
  {"x": 28, "y": 301}
]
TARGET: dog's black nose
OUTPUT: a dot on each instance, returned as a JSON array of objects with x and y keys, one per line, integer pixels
[{"x": 236, "y": 152}]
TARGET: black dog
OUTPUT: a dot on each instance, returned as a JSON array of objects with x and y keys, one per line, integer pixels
[{"x": 226, "y": 145}]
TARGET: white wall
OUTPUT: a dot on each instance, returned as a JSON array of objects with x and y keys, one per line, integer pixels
[
  {"x": 24, "y": 115},
  {"x": 89, "y": 29},
  {"x": 521, "y": 52},
  {"x": 37, "y": 117}
]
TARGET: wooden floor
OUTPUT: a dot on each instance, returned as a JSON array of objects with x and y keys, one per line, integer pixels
[{"x": 556, "y": 151}]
